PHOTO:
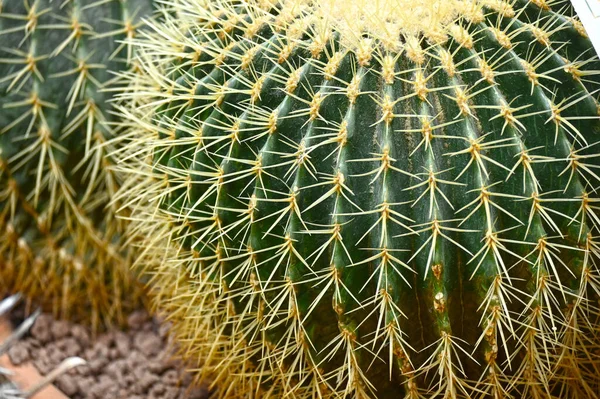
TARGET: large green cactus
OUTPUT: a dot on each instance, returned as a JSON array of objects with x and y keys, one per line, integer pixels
[
  {"x": 387, "y": 199},
  {"x": 59, "y": 239}
]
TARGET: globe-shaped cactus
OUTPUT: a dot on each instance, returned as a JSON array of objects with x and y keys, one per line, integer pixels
[
  {"x": 60, "y": 242},
  {"x": 372, "y": 198}
]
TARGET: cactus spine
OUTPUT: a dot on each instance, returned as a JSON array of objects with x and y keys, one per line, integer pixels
[
  {"x": 372, "y": 198},
  {"x": 59, "y": 239}
]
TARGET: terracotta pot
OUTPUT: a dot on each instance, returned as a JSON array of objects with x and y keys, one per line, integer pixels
[{"x": 26, "y": 376}]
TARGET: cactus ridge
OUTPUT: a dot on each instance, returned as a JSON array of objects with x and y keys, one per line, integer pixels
[
  {"x": 59, "y": 239},
  {"x": 385, "y": 210}
]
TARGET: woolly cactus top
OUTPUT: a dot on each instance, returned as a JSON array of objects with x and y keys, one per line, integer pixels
[
  {"x": 382, "y": 19},
  {"x": 344, "y": 200}
]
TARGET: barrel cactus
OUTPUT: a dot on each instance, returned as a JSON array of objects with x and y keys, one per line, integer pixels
[
  {"x": 380, "y": 199},
  {"x": 59, "y": 237}
]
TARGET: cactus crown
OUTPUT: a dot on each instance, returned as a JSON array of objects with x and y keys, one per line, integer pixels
[
  {"x": 383, "y": 20},
  {"x": 343, "y": 201}
]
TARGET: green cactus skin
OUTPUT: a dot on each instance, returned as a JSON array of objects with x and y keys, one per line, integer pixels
[
  {"x": 365, "y": 212},
  {"x": 59, "y": 237}
]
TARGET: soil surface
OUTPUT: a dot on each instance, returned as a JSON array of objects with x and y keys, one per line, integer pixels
[{"x": 133, "y": 364}]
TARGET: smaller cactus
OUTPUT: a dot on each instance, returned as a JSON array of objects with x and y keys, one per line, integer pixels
[{"x": 60, "y": 241}]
